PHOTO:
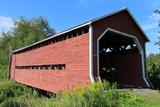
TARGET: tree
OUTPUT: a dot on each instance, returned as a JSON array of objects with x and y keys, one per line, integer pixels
[
  {"x": 5, "y": 44},
  {"x": 153, "y": 63},
  {"x": 153, "y": 69},
  {"x": 157, "y": 11},
  {"x": 24, "y": 32},
  {"x": 30, "y": 31}
]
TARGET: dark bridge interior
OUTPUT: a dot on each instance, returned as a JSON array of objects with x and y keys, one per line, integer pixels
[{"x": 119, "y": 60}]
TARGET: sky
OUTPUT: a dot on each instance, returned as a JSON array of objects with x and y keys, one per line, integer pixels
[{"x": 64, "y": 14}]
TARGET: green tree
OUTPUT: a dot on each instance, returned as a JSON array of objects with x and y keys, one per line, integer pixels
[
  {"x": 5, "y": 44},
  {"x": 153, "y": 62},
  {"x": 153, "y": 69},
  {"x": 24, "y": 32},
  {"x": 157, "y": 11},
  {"x": 30, "y": 31}
]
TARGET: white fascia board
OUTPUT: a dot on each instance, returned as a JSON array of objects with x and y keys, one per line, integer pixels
[
  {"x": 91, "y": 54},
  {"x": 110, "y": 14}
]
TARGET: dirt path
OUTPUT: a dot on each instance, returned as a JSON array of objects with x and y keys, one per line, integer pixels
[{"x": 144, "y": 91}]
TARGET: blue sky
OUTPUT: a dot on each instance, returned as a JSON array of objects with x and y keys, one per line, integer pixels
[{"x": 63, "y": 14}]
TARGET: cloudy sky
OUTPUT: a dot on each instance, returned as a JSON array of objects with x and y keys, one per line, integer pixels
[{"x": 63, "y": 14}]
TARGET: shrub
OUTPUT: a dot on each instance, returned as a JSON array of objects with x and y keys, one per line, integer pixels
[
  {"x": 3, "y": 72},
  {"x": 153, "y": 69},
  {"x": 10, "y": 89},
  {"x": 95, "y": 95},
  {"x": 154, "y": 75},
  {"x": 13, "y": 103}
]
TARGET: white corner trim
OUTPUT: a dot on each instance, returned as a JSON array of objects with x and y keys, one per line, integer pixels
[
  {"x": 142, "y": 58},
  {"x": 136, "y": 42},
  {"x": 91, "y": 53},
  {"x": 143, "y": 70}
]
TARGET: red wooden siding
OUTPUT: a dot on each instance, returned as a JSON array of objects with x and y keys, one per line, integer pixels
[
  {"x": 130, "y": 69},
  {"x": 73, "y": 52}
]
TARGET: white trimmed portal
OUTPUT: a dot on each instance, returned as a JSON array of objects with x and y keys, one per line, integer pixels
[{"x": 140, "y": 49}]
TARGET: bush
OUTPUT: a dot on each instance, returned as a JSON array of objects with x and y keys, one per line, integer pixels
[
  {"x": 10, "y": 89},
  {"x": 153, "y": 69},
  {"x": 154, "y": 75},
  {"x": 95, "y": 95},
  {"x": 12, "y": 103},
  {"x": 3, "y": 72}
]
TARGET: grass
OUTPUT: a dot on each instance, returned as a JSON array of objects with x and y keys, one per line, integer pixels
[
  {"x": 151, "y": 98},
  {"x": 95, "y": 95}
]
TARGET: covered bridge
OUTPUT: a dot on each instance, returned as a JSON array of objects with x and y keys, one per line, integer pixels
[{"x": 110, "y": 48}]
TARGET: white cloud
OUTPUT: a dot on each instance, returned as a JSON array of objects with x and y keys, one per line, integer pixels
[
  {"x": 150, "y": 26},
  {"x": 152, "y": 22},
  {"x": 155, "y": 17},
  {"x": 6, "y": 23}
]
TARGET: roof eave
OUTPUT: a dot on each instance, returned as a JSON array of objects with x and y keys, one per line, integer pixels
[
  {"x": 58, "y": 34},
  {"x": 86, "y": 24}
]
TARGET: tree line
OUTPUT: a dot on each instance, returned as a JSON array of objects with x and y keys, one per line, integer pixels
[{"x": 153, "y": 62}]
